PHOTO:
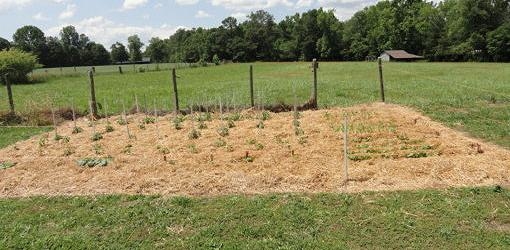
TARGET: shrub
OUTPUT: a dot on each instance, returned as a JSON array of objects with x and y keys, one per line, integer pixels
[
  {"x": 216, "y": 60},
  {"x": 17, "y": 64}
]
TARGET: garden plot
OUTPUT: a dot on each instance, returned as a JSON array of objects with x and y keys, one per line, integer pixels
[{"x": 390, "y": 148}]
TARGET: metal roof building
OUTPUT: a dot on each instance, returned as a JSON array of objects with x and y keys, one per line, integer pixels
[{"x": 398, "y": 55}]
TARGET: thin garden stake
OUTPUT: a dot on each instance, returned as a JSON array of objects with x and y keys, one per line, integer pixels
[
  {"x": 346, "y": 156},
  {"x": 92, "y": 118},
  {"x": 251, "y": 87},
  {"x": 146, "y": 110},
  {"x": 93, "y": 103},
  {"x": 9, "y": 93},
  {"x": 106, "y": 111},
  {"x": 54, "y": 121},
  {"x": 176, "y": 97},
  {"x": 137, "y": 105},
  {"x": 381, "y": 80},
  {"x": 125, "y": 119},
  {"x": 314, "y": 93},
  {"x": 74, "y": 113},
  {"x": 156, "y": 119}
]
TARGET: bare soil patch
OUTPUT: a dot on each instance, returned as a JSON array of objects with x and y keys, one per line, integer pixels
[{"x": 391, "y": 148}]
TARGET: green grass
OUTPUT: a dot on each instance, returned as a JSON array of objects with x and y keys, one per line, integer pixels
[
  {"x": 472, "y": 97},
  {"x": 11, "y": 135},
  {"x": 476, "y": 218}
]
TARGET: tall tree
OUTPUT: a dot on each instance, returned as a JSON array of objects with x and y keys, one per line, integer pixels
[
  {"x": 4, "y": 44},
  {"x": 119, "y": 53},
  {"x": 71, "y": 43},
  {"x": 30, "y": 39},
  {"x": 135, "y": 48},
  {"x": 156, "y": 50}
]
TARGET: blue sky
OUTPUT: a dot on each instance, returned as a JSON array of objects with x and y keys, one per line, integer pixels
[{"x": 114, "y": 20}]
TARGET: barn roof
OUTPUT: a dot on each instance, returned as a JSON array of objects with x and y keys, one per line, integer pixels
[{"x": 401, "y": 54}]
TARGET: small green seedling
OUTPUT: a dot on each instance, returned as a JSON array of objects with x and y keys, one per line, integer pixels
[
  {"x": 96, "y": 137},
  {"x": 93, "y": 162},
  {"x": 77, "y": 130},
  {"x": 194, "y": 134},
  {"x": 6, "y": 165},
  {"x": 223, "y": 131},
  {"x": 109, "y": 128}
]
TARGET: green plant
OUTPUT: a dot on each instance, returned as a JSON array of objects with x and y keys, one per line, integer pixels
[
  {"x": 6, "y": 165},
  {"x": 149, "y": 120},
  {"x": 17, "y": 64},
  {"x": 359, "y": 157},
  {"x": 127, "y": 149},
  {"x": 68, "y": 151},
  {"x": 220, "y": 143},
  {"x": 98, "y": 149},
  {"x": 121, "y": 121},
  {"x": 163, "y": 150},
  {"x": 43, "y": 140},
  {"x": 216, "y": 59},
  {"x": 248, "y": 158},
  {"x": 259, "y": 146},
  {"x": 96, "y": 136},
  {"x": 298, "y": 131},
  {"x": 141, "y": 125},
  {"x": 302, "y": 140},
  {"x": 265, "y": 115},
  {"x": 77, "y": 130},
  {"x": 57, "y": 137},
  {"x": 109, "y": 128},
  {"x": 65, "y": 139},
  {"x": 177, "y": 121},
  {"x": 261, "y": 125},
  {"x": 235, "y": 117},
  {"x": 194, "y": 134},
  {"x": 202, "y": 125},
  {"x": 94, "y": 162},
  {"x": 223, "y": 131},
  {"x": 231, "y": 124},
  {"x": 204, "y": 117},
  {"x": 193, "y": 148},
  {"x": 296, "y": 123},
  {"x": 417, "y": 155}
]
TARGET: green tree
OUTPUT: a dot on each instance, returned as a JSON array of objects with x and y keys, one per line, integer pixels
[
  {"x": 17, "y": 64},
  {"x": 498, "y": 43},
  {"x": 70, "y": 40},
  {"x": 135, "y": 48},
  {"x": 119, "y": 53},
  {"x": 30, "y": 39},
  {"x": 4, "y": 44},
  {"x": 156, "y": 50}
]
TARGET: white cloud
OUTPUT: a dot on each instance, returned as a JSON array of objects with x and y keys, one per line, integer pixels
[
  {"x": 304, "y": 3},
  {"x": 9, "y": 4},
  {"x": 40, "y": 17},
  {"x": 68, "y": 12},
  {"x": 158, "y": 5},
  {"x": 202, "y": 14},
  {"x": 133, "y": 4},
  {"x": 107, "y": 32},
  {"x": 250, "y": 4},
  {"x": 186, "y": 2},
  {"x": 240, "y": 16}
]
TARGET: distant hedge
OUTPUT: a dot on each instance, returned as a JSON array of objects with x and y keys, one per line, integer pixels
[{"x": 17, "y": 64}]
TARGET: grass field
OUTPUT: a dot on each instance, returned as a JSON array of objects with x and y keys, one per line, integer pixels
[
  {"x": 472, "y": 97},
  {"x": 475, "y": 218}
]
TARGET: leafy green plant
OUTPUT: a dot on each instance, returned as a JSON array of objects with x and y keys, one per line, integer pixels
[
  {"x": 77, "y": 130},
  {"x": 109, "y": 128},
  {"x": 248, "y": 158},
  {"x": 194, "y": 134},
  {"x": 235, "y": 117},
  {"x": 177, "y": 121},
  {"x": 298, "y": 131},
  {"x": 261, "y": 125},
  {"x": 6, "y": 165},
  {"x": 417, "y": 155},
  {"x": 193, "y": 148},
  {"x": 127, "y": 149},
  {"x": 223, "y": 131},
  {"x": 259, "y": 146},
  {"x": 265, "y": 115},
  {"x": 163, "y": 150},
  {"x": 141, "y": 125},
  {"x": 43, "y": 141},
  {"x": 220, "y": 143},
  {"x": 202, "y": 125},
  {"x": 57, "y": 137},
  {"x": 231, "y": 124},
  {"x": 149, "y": 120},
  {"x": 96, "y": 136},
  {"x": 98, "y": 149},
  {"x": 94, "y": 162},
  {"x": 121, "y": 121},
  {"x": 17, "y": 64}
]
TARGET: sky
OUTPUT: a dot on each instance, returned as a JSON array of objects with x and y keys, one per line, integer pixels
[{"x": 108, "y": 21}]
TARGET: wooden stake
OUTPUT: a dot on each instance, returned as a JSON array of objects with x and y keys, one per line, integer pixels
[
  {"x": 125, "y": 119},
  {"x": 92, "y": 118},
  {"x": 381, "y": 80},
  {"x": 156, "y": 120},
  {"x": 120, "y": 70},
  {"x": 346, "y": 153},
  {"x": 54, "y": 120},
  {"x": 137, "y": 105},
  {"x": 93, "y": 102},
  {"x": 176, "y": 97},
  {"x": 251, "y": 87},
  {"x": 105, "y": 105},
  {"x": 74, "y": 113},
  {"x": 314, "y": 93},
  {"x": 9, "y": 93}
]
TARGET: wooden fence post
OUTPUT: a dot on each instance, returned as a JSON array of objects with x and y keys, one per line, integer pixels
[
  {"x": 176, "y": 97},
  {"x": 381, "y": 80},
  {"x": 93, "y": 102},
  {"x": 93, "y": 69},
  {"x": 120, "y": 70},
  {"x": 314, "y": 93},
  {"x": 9, "y": 93},
  {"x": 346, "y": 152},
  {"x": 251, "y": 87}
]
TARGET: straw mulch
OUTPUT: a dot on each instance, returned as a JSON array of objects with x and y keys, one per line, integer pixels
[{"x": 390, "y": 148}]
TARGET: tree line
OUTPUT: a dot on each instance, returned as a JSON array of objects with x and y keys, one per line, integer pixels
[{"x": 453, "y": 30}]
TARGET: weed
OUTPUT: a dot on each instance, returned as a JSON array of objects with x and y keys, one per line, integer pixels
[
  {"x": 177, "y": 121},
  {"x": 96, "y": 137},
  {"x": 141, "y": 126},
  {"x": 296, "y": 123},
  {"x": 220, "y": 143},
  {"x": 265, "y": 115},
  {"x": 203, "y": 117},
  {"x": 65, "y": 139},
  {"x": 223, "y": 131},
  {"x": 426, "y": 147},
  {"x": 259, "y": 146},
  {"x": 235, "y": 117},
  {"x": 248, "y": 158},
  {"x": 303, "y": 140},
  {"x": 77, "y": 130},
  {"x": 43, "y": 141},
  {"x": 57, "y": 137},
  {"x": 298, "y": 131}
]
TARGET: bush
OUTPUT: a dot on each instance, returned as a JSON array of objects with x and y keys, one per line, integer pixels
[
  {"x": 216, "y": 60},
  {"x": 17, "y": 64}
]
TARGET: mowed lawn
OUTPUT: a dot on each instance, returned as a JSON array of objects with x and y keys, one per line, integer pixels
[
  {"x": 472, "y": 97},
  {"x": 475, "y": 218}
]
